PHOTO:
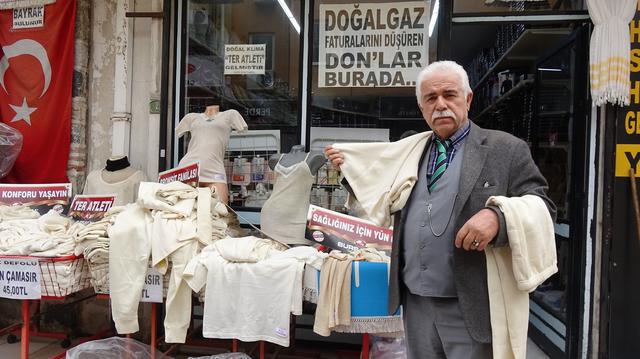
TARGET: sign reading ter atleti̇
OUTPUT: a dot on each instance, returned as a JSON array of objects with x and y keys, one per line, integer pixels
[
  {"x": 20, "y": 278},
  {"x": 372, "y": 44},
  {"x": 188, "y": 174},
  {"x": 344, "y": 232},
  {"x": 245, "y": 59},
  {"x": 89, "y": 207}
]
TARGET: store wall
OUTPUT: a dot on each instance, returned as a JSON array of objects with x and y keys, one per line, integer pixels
[
  {"x": 101, "y": 73},
  {"x": 145, "y": 79},
  {"x": 623, "y": 240},
  {"x": 145, "y": 88}
]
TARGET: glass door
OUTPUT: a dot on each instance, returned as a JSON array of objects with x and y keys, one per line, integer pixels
[{"x": 560, "y": 125}]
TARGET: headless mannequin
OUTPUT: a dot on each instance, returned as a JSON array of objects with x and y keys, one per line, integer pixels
[
  {"x": 297, "y": 154},
  {"x": 116, "y": 178},
  {"x": 117, "y": 169},
  {"x": 220, "y": 188},
  {"x": 283, "y": 215},
  {"x": 212, "y": 110}
]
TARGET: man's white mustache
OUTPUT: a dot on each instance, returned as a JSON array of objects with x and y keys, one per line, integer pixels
[{"x": 445, "y": 113}]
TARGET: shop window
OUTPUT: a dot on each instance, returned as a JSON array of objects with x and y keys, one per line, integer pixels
[
  {"x": 365, "y": 60},
  {"x": 461, "y": 7},
  {"x": 245, "y": 55}
]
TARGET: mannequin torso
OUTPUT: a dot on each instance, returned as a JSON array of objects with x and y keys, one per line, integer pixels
[
  {"x": 117, "y": 178},
  {"x": 117, "y": 170},
  {"x": 210, "y": 132},
  {"x": 284, "y": 215},
  {"x": 315, "y": 160}
]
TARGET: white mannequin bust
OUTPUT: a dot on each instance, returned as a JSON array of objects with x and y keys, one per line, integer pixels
[
  {"x": 117, "y": 169},
  {"x": 116, "y": 178}
]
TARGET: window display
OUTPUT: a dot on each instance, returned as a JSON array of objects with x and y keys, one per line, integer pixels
[
  {"x": 210, "y": 132},
  {"x": 252, "y": 70}
]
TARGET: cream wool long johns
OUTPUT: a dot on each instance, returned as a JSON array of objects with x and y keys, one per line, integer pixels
[
  {"x": 395, "y": 169},
  {"x": 516, "y": 270},
  {"x": 138, "y": 231}
]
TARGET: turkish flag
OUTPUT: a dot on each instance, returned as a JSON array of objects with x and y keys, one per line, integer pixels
[{"x": 36, "y": 73}]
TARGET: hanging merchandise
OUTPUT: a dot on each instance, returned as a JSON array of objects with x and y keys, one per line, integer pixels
[
  {"x": 36, "y": 65},
  {"x": 350, "y": 298},
  {"x": 241, "y": 172},
  {"x": 319, "y": 197},
  {"x": 257, "y": 169},
  {"x": 228, "y": 167},
  {"x": 241, "y": 274},
  {"x": 332, "y": 175},
  {"x": 171, "y": 223},
  {"x": 339, "y": 199},
  {"x": 609, "y": 50}
]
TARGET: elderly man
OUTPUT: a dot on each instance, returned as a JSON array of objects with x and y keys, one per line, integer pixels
[{"x": 438, "y": 266}]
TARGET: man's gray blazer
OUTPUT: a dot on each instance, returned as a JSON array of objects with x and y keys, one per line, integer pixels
[{"x": 504, "y": 163}]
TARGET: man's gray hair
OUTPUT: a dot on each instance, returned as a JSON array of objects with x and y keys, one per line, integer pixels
[{"x": 439, "y": 66}]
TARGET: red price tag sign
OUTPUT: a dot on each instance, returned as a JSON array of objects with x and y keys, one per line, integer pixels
[
  {"x": 90, "y": 208},
  {"x": 41, "y": 197},
  {"x": 188, "y": 174}
]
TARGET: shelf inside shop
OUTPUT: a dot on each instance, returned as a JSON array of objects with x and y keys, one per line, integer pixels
[{"x": 517, "y": 88}]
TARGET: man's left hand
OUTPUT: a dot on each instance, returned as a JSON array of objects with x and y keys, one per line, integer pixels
[{"x": 479, "y": 231}]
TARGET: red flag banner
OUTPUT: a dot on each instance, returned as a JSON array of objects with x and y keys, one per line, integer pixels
[{"x": 36, "y": 73}]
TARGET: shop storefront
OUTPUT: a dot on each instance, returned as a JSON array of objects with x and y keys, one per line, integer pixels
[
  {"x": 303, "y": 74},
  {"x": 527, "y": 63}
]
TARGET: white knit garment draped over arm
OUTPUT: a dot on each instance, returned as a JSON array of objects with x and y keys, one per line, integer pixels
[{"x": 609, "y": 50}]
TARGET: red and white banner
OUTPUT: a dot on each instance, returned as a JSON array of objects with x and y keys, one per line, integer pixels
[
  {"x": 345, "y": 233},
  {"x": 90, "y": 208},
  {"x": 36, "y": 73},
  {"x": 188, "y": 174}
]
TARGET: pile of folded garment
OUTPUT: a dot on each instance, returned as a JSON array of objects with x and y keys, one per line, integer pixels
[
  {"x": 50, "y": 235},
  {"x": 93, "y": 242}
]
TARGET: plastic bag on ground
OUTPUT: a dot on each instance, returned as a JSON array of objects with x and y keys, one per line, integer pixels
[
  {"x": 10, "y": 147},
  {"x": 387, "y": 348},
  {"x": 113, "y": 348},
  {"x": 225, "y": 356}
]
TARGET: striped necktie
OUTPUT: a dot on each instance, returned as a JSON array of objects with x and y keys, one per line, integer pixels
[{"x": 441, "y": 162}]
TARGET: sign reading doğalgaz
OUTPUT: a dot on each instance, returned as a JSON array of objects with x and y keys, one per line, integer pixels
[
  {"x": 244, "y": 59},
  {"x": 19, "y": 278},
  {"x": 372, "y": 44}
]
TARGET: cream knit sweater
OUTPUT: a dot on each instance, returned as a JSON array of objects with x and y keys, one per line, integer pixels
[{"x": 516, "y": 270}]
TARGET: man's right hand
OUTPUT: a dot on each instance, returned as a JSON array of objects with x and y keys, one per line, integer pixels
[{"x": 335, "y": 156}]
